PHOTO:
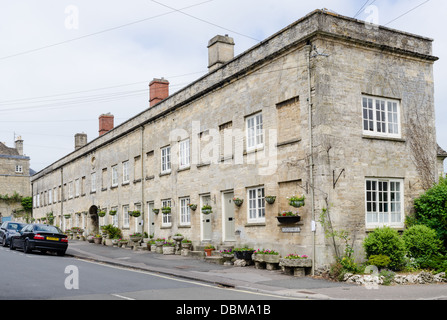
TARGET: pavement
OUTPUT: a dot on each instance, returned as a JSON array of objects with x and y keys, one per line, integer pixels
[{"x": 272, "y": 282}]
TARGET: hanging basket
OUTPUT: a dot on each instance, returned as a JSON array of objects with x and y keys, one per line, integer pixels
[
  {"x": 207, "y": 209},
  {"x": 238, "y": 202},
  {"x": 270, "y": 199},
  {"x": 112, "y": 212}
]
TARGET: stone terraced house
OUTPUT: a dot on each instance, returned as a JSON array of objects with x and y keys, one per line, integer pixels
[
  {"x": 330, "y": 108},
  {"x": 14, "y": 178}
]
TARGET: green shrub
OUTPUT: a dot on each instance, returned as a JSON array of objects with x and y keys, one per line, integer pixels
[
  {"x": 380, "y": 261},
  {"x": 386, "y": 241},
  {"x": 431, "y": 209},
  {"x": 112, "y": 232},
  {"x": 421, "y": 242}
]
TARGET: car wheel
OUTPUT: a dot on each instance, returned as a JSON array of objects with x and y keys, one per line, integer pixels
[
  {"x": 11, "y": 244},
  {"x": 4, "y": 241},
  {"x": 26, "y": 247}
]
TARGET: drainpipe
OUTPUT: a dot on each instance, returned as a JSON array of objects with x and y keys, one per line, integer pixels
[
  {"x": 142, "y": 183},
  {"x": 311, "y": 161}
]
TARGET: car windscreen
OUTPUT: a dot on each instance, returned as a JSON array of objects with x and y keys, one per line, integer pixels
[
  {"x": 44, "y": 228},
  {"x": 15, "y": 226}
]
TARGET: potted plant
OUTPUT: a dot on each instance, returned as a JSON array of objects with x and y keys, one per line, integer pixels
[
  {"x": 192, "y": 206},
  {"x": 156, "y": 211},
  {"x": 67, "y": 216},
  {"x": 207, "y": 209},
  {"x": 243, "y": 253},
  {"x": 288, "y": 217},
  {"x": 112, "y": 212},
  {"x": 270, "y": 199},
  {"x": 209, "y": 249},
  {"x": 97, "y": 239},
  {"x": 136, "y": 213},
  {"x": 238, "y": 201},
  {"x": 90, "y": 238},
  {"x": 136, "y": 237},
  {"x": 166, "y": 210},
  {"x": 186, "y": 244},
  {"x": 227, "y": 255},
  {"x": 102, "y": 213},
  {"x": 296, "y": 201},
  {"x": 168, "y": 247}
]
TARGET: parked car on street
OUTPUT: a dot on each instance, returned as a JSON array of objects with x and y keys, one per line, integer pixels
[
  {"x": 7, "y": 229},
  {"x": 40, "y": 237}
]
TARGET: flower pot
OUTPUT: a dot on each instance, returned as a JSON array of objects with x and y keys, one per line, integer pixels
[
  {"x": 168, "y": 250},
  {"x": 209, "y": 252},
  {"x": 246, "y": 255},
  {"x": 97, "y": 240},
  {"x": 207, "y": 211},
  {"x": 178, "y": 238},
  {"x": 270, "y": 199},
  {"x": 300, "y": 263},
  {"x": 227, "y": 259},
  {"x": 271, "y": 258},
  {"x": 238, "y": 202},
  {"x": 288, "y": 219},
  {"x": 296, "y": 203}
]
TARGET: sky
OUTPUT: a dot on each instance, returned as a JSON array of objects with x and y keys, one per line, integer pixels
[{"x": 64, "y": 63}]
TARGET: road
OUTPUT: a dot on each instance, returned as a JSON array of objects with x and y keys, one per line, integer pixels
[{"x": 46, "y": 276}]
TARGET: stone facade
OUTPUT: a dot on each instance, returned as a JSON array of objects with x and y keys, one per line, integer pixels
[
  {"x": 14, "y": 176},
  {"x": 243, "y": 131}
]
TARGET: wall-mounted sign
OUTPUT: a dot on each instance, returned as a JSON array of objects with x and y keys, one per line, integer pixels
[{"x": 291, "y": 229}]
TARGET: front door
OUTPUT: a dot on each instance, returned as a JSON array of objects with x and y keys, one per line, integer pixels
[
  {"x": 205, "y": 219},
  {"x": 228, "y": 224}
]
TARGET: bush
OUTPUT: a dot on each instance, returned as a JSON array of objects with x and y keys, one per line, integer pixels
[
  {"x": 380, "y": 261},
  {"x": 422, "y": 243},
  {"x": 431, "y": 209},
  {"x": 386, "y": 241}
]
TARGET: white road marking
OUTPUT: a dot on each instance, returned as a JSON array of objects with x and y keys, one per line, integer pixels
[{"x": 121, "y": 297}]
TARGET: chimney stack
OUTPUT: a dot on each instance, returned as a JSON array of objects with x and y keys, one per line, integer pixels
[
  {"x": 80, "y": 140},
  {"x": 19, "y": 145},
  {"x": 220, "y": 51},
  {"x": 158, "y": 91},
  {"x": 105, "y": 123}
]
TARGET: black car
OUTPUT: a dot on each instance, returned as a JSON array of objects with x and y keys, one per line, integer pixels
[
  {"x": 41, "y": 237},
  {"x": 7, "y": 229}
]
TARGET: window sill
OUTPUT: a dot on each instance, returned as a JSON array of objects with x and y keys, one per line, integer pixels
[
  {"x": 253, "y": 150},
  {"x": 166, "y": 227},
  {"x": 167, "y": 173},
  {"x": 383, "y": 138},
  {"x": 184, "y": 169},
  {"x": 255, "y": 224}
]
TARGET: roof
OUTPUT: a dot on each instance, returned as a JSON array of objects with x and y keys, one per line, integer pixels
[
  {"x": 4, "y": 150},
  {"x": 441, "y": 152}
]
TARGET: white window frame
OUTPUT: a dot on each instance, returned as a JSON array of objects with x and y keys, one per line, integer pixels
[
  {"x": 166, "y": 219},
  {"x": 256, "y": 205},
  {"x": 384, "y": 203},
  {"x": 381, "y": 117},
  {"x": 115, "y": 176},
  {"x": 126, "y": 172},
  {"x": 115, "y": 217},
  {"x": 165, "y": 159},
  {"x": 50, "y": 196},
  {"x": 254, "y": 131},
  {"x": 184, "y": 154},
  {"x": 70, "y": 190},
  {"x": 19, "y": 168},
  {"x": 93, "y": 182},
  {"x": 77, "y": 188},
  {"x": 126, "y": 216},
  {"x": 185, "y": 211}
]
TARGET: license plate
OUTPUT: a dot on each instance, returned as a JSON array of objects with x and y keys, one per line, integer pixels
[{"x": 52, "y": 238}]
